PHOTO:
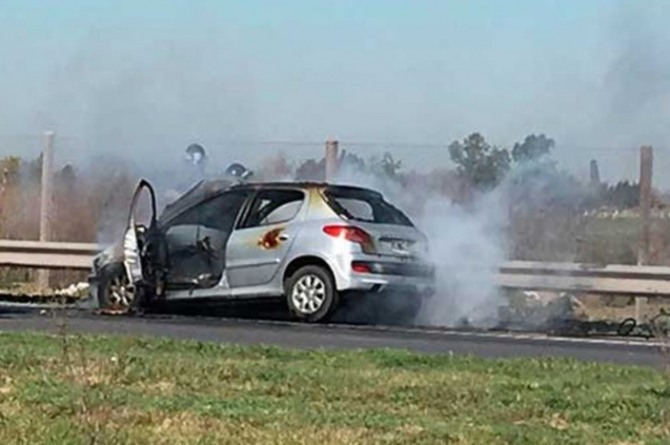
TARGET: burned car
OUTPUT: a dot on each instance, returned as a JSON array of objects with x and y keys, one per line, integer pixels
[{"x": 313, "y": 245}]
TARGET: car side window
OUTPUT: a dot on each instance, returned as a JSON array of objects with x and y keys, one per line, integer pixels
[
  {"x": 218, "y": 213},
  {"x": 274, "y": 207}
]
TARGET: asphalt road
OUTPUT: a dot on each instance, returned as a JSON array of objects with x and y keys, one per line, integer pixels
[{"x": 302, "y": 336}]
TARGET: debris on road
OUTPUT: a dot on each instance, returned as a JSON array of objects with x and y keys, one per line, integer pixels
[
  {"x": 76, "y": 290},
  {"x": 540, "y": 310}
]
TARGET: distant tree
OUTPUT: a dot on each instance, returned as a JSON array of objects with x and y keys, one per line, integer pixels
[
  {"x": 532, "y": 148},
  {"x": 67, "y": 175},
  {"x": 544, "y": 186},
  {"x": 9, "y": 169},
  {"x": 9, "y": 178},
  {"x": 623, "y": 195},
  {"x": 482, "y": 164},
  {"x": 351, "y": 161},
  {"x": 30, "y": 171},
  {"x": 311, "y": 170},
  {"x": 385, "y": 167},
  {"x": 390, "y": 166},
  {"x": 274, "y": 167}
]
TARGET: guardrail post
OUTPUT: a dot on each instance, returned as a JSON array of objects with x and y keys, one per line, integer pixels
[
  {"x": 331, "y": 160},
  {"x": 45, "y": 201},
  {"x": 646, "y": 169}
]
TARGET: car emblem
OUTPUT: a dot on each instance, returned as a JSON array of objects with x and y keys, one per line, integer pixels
[{"x": 400, "y": 246}]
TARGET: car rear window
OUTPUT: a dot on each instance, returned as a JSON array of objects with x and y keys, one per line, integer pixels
[{"x": 365, "y": 206}]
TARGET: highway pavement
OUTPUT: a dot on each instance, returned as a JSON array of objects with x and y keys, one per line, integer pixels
[{"x": 338, "y": 336}]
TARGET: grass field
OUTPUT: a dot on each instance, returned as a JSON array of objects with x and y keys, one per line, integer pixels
[{"x": 83, "y": 390}]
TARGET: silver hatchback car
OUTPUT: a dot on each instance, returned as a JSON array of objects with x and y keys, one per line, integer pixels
[{"x": 311, "y": 244}]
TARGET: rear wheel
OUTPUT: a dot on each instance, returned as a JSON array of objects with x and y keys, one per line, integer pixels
[{"x": 310, "y": 293}]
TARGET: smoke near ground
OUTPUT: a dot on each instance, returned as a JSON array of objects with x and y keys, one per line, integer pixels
[
  {"x": 535, "y": 212},
  {"x": 467, "y": 246}
]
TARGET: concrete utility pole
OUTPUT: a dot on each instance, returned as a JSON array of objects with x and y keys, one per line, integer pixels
[
  {"x": 595, "y": 174},
  {"x": 646, "y": 165},
  {"x": 331, "y": 159},
  {"x": 646, "y": 170},
  {"x": 46, "y": 200}
]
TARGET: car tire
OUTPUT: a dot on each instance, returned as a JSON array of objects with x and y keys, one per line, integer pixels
[
  {"x": 311, "y": 295},
  {"x": 626, "y": 327},
  {"x": 114, "y": 291}
]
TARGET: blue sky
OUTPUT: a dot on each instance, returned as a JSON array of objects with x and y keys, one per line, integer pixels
[{"x": 141, "y": 78}]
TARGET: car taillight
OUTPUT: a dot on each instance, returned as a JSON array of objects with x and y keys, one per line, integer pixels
[
  {"x": 360, "y": 267},
  {"x": 351, "y": 233}
]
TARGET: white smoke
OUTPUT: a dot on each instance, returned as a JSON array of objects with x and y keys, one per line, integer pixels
[{"x": 467, "y": 245}]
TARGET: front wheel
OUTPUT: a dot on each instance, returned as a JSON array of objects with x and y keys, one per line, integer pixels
[
  {"x": 311, "y": 294},
  {"x": 115, "y": 293}
]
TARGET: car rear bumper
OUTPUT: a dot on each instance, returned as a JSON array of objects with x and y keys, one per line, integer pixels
[
  {"x": 386, "y": 284},
  {"x": 370, "y": 274}
]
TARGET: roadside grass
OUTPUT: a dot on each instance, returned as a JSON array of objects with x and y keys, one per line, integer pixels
[{"x": 102, "y": 389}]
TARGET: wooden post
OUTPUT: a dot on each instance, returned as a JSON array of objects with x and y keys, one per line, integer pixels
[
  {"x": 46, "y": 200},
  {"x": 646, "y": 171},
  {"x": 331, "y": 160}
]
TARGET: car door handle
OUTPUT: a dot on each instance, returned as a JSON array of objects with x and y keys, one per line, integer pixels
[{"x": 283, "y": 237}]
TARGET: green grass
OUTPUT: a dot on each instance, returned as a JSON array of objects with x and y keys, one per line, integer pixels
[{"x": 82, "y": 390}]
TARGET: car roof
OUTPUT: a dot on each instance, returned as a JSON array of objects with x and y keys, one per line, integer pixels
[
  {"x": 300, "y": 184},
  {"x": 205, "y": 190}
]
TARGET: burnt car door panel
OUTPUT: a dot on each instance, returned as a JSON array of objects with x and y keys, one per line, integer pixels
[
  {"x": 196, "y": 241},
  {"x": 135, "y": 234},
  {"x": 191, "y": 262},
  {"x": 264, "y": 237}
]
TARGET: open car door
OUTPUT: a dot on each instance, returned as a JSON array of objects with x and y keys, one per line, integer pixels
[{"x": 139, "y": 241}]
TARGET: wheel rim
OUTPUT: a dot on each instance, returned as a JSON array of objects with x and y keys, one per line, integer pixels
[
  {"x": 308, "y": 294},
  {"x": 121, "y": 293}
]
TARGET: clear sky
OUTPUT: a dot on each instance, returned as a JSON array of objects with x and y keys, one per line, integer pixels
[{"x": 138, "y": 78}]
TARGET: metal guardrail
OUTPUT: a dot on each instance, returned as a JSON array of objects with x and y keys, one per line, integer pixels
[
  {"x": 47, "y": 255},
  {"x": 645, "y": 281}
]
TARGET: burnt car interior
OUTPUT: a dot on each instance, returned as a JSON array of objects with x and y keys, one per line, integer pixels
[{"x": 196, "y": 239}]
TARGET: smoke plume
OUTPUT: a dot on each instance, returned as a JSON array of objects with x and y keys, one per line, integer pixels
[{"x": 467, "y": 244}]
